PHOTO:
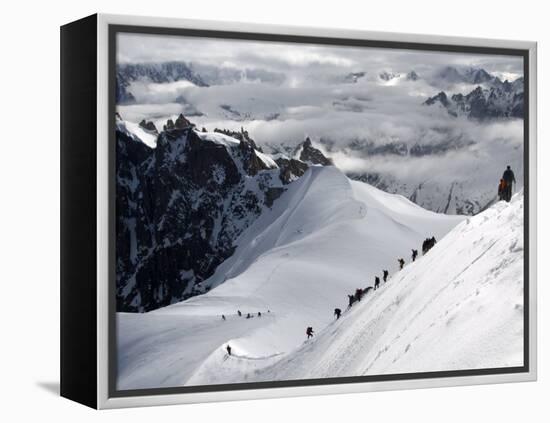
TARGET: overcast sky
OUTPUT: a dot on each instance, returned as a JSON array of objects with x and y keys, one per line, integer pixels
[{"x": 300, "y": 58}]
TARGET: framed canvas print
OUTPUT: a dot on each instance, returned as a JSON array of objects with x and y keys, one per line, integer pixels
[{"x": 254, "y": 211}]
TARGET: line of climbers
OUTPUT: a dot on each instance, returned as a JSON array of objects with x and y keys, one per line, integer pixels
[
  {"x": 360, "y": 292},
  {"x": 248, "y": 315},
  {"x": 427, "y": 245},
  {"x": 504, "y": 193}
]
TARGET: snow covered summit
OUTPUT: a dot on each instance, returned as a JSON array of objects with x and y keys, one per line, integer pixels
[{"x": 324, "y": 237}]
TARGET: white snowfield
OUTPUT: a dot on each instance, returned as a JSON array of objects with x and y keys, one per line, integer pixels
[
  {"x": 137, "y": 133},
  {"x": 458, "y": 307}
]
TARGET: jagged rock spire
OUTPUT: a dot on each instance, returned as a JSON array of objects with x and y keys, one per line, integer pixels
[
  {"x": 310, "y": 154},
  {"x": 148, "y": 125}
]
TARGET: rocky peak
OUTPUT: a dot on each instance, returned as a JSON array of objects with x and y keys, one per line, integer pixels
[
  {"x": 310, "y": 154},
  {"x": 507, "y": 86},
  {"x": 203, "y": 156},
  {"x": 169, "y": 125},
  {"x": 478, "y": 76},
  {"x": 497, "y": 100},
  {"x": 412, "y": 76},
  {"x": 148, "y": 126},
  {"x": 182, "y": 122},
  {"x": 241, "y": 135},
  {"x": 477, "y": 92},
  {"x": 450, "y": 74},
  {"x": 290, "y": 169},
  {"x": 251, "y": 162},
  {"x": 441, "y": 97},
  {"x": 388, "y": 76},
  {"x": 353, "y": 77}
]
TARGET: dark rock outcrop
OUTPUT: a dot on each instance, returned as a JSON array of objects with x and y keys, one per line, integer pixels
[
  {"x": 153, "y": 72},
  {"x": 241, "y": 135},
  {"x": 353, "y": 77},
  {"x": 149, "y": 126},
  {"x": 500, "y": 100},
  {"x": 182, "y": 122},
  {"x": 388, "y": 76},
  {"x": 290, "y": 169},
  {"x": 310, "y": 154},
  {"x": 180, "y": 207},
  {"x": 412, "y": 76},
  {"x": 169, "y": 125},
  {"x": 441, "y": 97}
]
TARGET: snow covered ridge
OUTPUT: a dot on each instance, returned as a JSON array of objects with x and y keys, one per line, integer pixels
[
  {"x": 459, "y": 307},
  {"x": 183, "y": 198},
  {"x": 324, "y": 237},
  {"x": 427, "y": 318},
  {"x": 137, "y": 133}
]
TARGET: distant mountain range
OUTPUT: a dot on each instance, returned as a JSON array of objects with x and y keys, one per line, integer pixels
[
  {"x": 491, "y": 99},
  {"x": 153, "y": 72},
  {"x": 388, "y": 76},
  {"x": 469, "y": 75},
  {"x": 468, "y": 193},
  {"x": 198, "y": 74}
]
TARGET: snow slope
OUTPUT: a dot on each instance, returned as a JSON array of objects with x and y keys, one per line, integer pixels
[
  {"x": 323, "y": 238},
  {"x": 137, "y": 133},
  {"x": 459, "y": 307}
]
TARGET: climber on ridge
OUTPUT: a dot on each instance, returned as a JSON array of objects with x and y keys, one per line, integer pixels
[
  {"x": 401, "y": 263},
  {"x": 510, "y": 179}
]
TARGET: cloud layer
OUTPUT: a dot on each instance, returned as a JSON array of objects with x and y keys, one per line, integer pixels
[{"x": 282, "y": 93}]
